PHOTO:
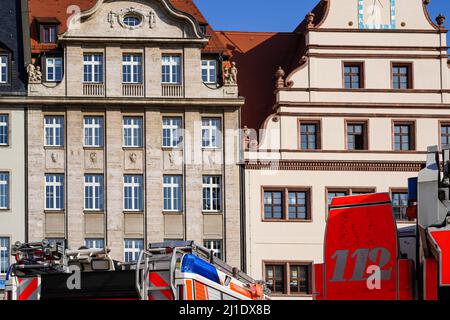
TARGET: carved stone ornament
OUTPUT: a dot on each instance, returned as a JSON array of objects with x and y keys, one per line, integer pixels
[
  {"x": 280, "y": 82},
  {"x": 54, "y": 157},
  {"x": 230, "y": 74},
  {"x": 440, "y": 19},
  {"x": 34, "y": 73},
  {"x": 133, "y": 158},
  {"x": 93, "y": 157},
  {"x": 171, "y": 158},
  {"x": 148, "y": 19},
  {"x": 310, "y": 19}
]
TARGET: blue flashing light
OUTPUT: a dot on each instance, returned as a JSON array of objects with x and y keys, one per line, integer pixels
[{"x": 193, "y": 264}]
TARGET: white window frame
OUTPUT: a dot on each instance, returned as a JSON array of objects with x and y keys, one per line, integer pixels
[
  {"x": 210, "y": 65},
  {"x": 168, "y": 60},
  {"x": 216, "y": 246},
  {"x": 5, "y": 185},
  {"x": 134, "y": 62},
  {"x": 90, "y": 127},
  {"x": 5, "y": 244},
  {"x": 51, "y": 63},
  {"x": 94, "y": 243},
  {"x": 4, "y": 126},
  {"x": 54, "y": 185},
  {"x": 175, "y": 134},
  {"x": 4, "y": 69},
  {"x": 135, "y": 249},
  {"x": 91, "y": 64},
  {"x": 97, "y": 182},
  {"x": 211, "y": 186},
  {"x": 209, "y": 131},
  {"x": 173, "y": 186},
  {"x": 133, "y": 185},
  {"x": 133, "y": 126},
  {"x": 54, "y": 126}
]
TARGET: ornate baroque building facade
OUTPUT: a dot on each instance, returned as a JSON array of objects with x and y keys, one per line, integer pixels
[
  {"x": 131, "y": 130},
  {"x": 362, "y": 91}
]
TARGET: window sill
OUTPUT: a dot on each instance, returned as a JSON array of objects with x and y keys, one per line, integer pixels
[
  {"x": 288, "y": 220},
  {"x": 54, "y": 147},
  {"x": 93, "y": 211},
  {"x": 172, "y": 148},
  {"x": 4, "y": 145},
  {"x": 282, "y": 295},
  {"x": 212, "y": 213},
  {"x": 93, "y": 148},
  {"x": 55, "y": 211},
  {"x": 133, "y": 212},
  {"x": 173, "y": 213}
]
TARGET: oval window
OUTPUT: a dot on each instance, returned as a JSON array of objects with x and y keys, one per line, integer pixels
[{"x": 132, "y": 21}]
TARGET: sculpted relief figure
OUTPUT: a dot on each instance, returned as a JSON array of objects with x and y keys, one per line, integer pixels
[
  {"x": 230, "y": 74},
  {"x": 34, "y": 73}
]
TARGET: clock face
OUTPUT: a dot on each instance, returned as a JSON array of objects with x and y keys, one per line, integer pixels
[{"x": 376, "y": 14}]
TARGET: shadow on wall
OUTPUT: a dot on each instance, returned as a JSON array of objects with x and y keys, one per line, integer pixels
[{"x": 258, "y": 56}]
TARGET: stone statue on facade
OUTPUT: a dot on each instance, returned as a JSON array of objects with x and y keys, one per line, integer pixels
[
  {"x": 231, "y": 74},
  {"x": 34, "y": 73}
]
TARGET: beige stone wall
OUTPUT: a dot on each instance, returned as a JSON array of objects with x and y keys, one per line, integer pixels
[{"x": 12, "y": 160}]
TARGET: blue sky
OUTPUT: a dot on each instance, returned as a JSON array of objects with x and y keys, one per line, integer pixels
[{"x": 274, "y": 15}]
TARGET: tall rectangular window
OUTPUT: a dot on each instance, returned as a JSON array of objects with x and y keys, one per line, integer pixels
[
  {"x": 132, "y": 132},
  {"x": 133, "y": 193},
  {"x": 94, "y": 243},
  {"x": 171, "y": 69},
  {"x": 353, "y": 75},
  {"x": 404, "y": 136},
  {"x": 48, "y": 33},
  {"x": 93, "y": 192},
  {"x": 211, "y": 133},
  {"x": 212, "y": 193},
  {"x": 93, "y": 132},
  {"x": 172, "y": 136},
  {"x": 335, "y": 194},
  {"x": 209, "y": 71},
  {"x": 399, "y": 205},
  {"x": 298, "y": 203},
  {"x": 54, "y": 69},
  {"x": 132, "y": 249},
  {"x": 357, "y": 136},
  {"x": 173, "y": 193},
  {"x": 310, "y": 135},
  {"x": 215, "y": 246},
  {"x": 4, "y": 130},
  {"x": 3, "y": 69},
  {"x": 273, "y": 205},
  {"x": 275, "y": 278},
  {"x": 299, "y": 279},
  {"x": 54, "y": 131},
  {"x": 132, "y": 68},
  {"x": 445, "y": 134},
  {"x": 4, "y": 190},
  {"x": 402, "y": 76},
  {"x": 54, "y": 192},
  {"x": 93, "y": 68},
  {"x": 4, "y": 254}
]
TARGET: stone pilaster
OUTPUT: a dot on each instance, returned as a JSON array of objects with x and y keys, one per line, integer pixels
[
  {"x": 113, "y": 67},
  {"x": 153, "y": 72},
  {"x": 114, "y": 190},
  {"x": 155, "y": 219},
  {"x": 75, "y": 177},
  {"x": 193, "y": 177},
  {"x": 36, "y": 169}
]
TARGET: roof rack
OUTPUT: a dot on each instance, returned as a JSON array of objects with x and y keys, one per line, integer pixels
[{"x": 202, "y": 252}]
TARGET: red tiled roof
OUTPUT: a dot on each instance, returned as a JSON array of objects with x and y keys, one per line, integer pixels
[
  {"x": 258, "y": 56},
  {"x": 58, "y": 10}
]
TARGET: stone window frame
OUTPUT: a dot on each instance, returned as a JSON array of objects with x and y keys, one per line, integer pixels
[
  {"x": 412, "y": 134},
  {"x": 46, "y": 68},
  {"x": 215, "y": 245},
  {"x": 140, "y": 68},
  {"x": 410, "y": 75},
  {"x": 318, "y": 133},
  {"x": 211, "y": 186},
  {"x": 8, "y": 129},
  {"x": 403, "y": 191},
  {"x": 365, "y": 134},
  {"x": 171, "y": 64},
  {"x": 93, "y": 127},
  {"x": 361, "y": 74},
  {"x": 93, "y": 185},
  {"x": 211, "y": 128},
  {"x": 285, "y": 190},
  {"x": 133, "y": 185},
  {"x": 8, "y": 186},
  {"x": 286, "y": 274},
  {"x": 134, "y": 250},
  {"x": 92, "y": 63},
  {"x": 209, "y": 70},
  {"x": 170, "y": 126},
  {"x": 63, "y": 193},
  {"x": 172, "y": 192},
  {"x": 54, "y": 127},
  {"x": 142, "y": 131}
]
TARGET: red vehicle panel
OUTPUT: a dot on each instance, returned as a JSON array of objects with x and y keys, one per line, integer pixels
[{"x": 361, "y": 249}]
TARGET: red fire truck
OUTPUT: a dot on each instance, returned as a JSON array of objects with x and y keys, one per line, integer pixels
[
  {"x": 367, "y": 258},
  {"x": 165, "y": 271}
]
